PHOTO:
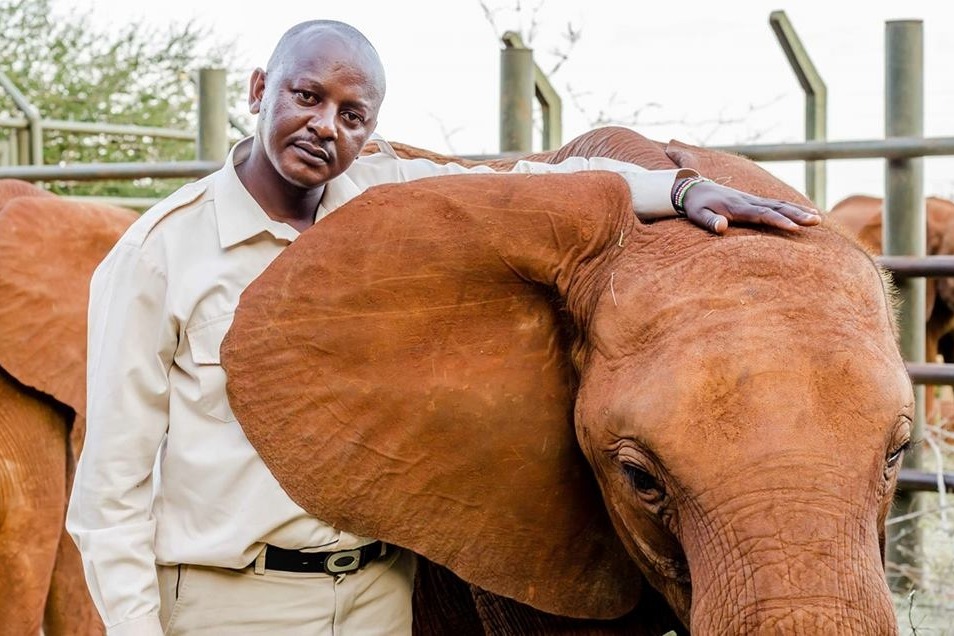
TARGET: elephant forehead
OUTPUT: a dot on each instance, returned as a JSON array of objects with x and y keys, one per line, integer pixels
[
  {"x": 688, "y": 287},
  {"x": 744, "y": 335}
]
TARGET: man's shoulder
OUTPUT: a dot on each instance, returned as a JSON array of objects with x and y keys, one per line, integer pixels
[{"x": 190, "y": 196}]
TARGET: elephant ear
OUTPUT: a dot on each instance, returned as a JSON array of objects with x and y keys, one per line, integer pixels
[
  {"x": 49, "y": 247},
  {"x": 734, "y": 171},
  {"x": 940, "y": 218},
  {"x": 403, "y": 368}
]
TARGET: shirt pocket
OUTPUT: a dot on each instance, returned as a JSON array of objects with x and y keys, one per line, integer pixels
[{"x": 204, "y": 342}]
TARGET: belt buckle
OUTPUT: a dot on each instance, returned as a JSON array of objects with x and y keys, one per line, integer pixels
[{"x": 343, "y": 562}]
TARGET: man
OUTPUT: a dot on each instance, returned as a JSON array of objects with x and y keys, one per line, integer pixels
[{"x": 208, "y": 543}]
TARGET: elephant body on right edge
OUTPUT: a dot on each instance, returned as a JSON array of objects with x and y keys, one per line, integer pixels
[{"x": 585, "y": 414}]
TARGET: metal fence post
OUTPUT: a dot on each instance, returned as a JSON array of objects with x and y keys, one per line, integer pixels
[
  {"x": 551, "y": 106},
  {"x": 516, "y": 95},
  {"x": 212, "y": 143},
  {"x": 905, "y": 232},
  {"x": 816, "y": 102},
  {"x": 30, "y": 141}
]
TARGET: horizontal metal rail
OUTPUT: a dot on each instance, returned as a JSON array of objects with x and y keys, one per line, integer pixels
[
  {"x": 97, "y": 128},
  {"x": 133, "y": 203},
  {"x": 915, "y": 266},
  {"x": 890, "y": 148},
  {"x": 916, "y": 480},
  {"x": 118, "y": 170},
  {"x": 933, "y": 373}
]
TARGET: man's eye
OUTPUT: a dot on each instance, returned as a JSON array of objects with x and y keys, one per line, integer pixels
[
  {"x": 305, "y": 96},
  {"x": 353, "y": 118}
]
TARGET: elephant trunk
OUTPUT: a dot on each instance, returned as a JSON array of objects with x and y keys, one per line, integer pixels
[{"x": 789, "y": 568}]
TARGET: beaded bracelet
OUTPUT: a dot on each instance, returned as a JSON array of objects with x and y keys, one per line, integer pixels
[{"x": 679, "y": 195}]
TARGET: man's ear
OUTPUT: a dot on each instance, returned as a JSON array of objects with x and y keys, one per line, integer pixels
[{"x": 256, "y": 88}]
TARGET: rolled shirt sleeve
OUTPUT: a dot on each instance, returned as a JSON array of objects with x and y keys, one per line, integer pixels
[
  {"x": 130, "y": 349},
  {"x": 651, "y": 189}
]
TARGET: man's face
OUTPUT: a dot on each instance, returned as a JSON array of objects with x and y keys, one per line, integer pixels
[{"x": 316, "y": 108}]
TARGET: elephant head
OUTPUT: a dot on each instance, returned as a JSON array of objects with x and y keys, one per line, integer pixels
[
  {"x": 517, "y": 379},
  {"x": 49, "y": 247}
]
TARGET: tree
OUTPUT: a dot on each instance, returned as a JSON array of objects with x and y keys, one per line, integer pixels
[{"x": 70, "y": 69}]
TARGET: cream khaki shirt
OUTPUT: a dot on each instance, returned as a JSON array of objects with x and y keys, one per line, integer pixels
[{"x": 167, "y": 475}]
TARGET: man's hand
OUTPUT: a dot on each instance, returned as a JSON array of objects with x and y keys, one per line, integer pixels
[{"x": 714, "y": 206}]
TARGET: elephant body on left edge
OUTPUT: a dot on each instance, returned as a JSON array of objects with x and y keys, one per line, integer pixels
[
  {"x": 585, "y": 414},
  {"x": 49, "y": 247}
]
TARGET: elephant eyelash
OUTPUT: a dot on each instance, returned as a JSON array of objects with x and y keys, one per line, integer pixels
[
  {"x": 642, "y": 481},
  {"x": 895, "y": 457}
]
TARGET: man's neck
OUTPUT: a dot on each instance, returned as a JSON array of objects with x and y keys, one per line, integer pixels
[{"x": 280, "y": 200}]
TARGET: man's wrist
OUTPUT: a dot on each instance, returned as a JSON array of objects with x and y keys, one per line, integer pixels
[{"x": 679, "y": 190}]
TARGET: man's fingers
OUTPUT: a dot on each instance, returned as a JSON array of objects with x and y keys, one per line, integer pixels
[
  {"x": 710, "y": 220},
  {"x": 777, "y": 218},
  {"x": 714, "y": 207},
  {"x": 801, "y": 214},
  {"x": 717, "y": 223}
]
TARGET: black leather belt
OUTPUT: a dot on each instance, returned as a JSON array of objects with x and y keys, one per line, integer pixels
[{"x": 340, "y": 562}]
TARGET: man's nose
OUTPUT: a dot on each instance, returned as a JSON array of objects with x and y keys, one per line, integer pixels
[{"x": 322, "y": 122}]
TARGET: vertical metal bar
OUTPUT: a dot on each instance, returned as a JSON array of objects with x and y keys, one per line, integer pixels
[
  {"x": 32, "y": 145},
  {"x": 212, "y": 143},
  {"x": 816, "y": 102},
  {"x": 516, "y": 95},
  {"x": 905, "y": 232},
  {"x": 23, "y": 147},
  {"x": 551, "y": 107}
]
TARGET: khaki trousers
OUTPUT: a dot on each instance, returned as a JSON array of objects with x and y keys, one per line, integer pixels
[{"x": 207, "y": 601}]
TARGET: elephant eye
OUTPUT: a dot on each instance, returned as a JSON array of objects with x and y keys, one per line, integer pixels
[
  {"x": 646, "y": 486},
  {"x": 895, "y": 456}
]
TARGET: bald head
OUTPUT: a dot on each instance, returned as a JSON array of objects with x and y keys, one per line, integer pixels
[
  {"x": 317, "y": 105},
  {"x": 343, "y": 35}
]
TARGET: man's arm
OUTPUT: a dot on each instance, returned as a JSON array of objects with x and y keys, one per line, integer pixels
[
  {"x": 705, "y": 203},
  {"x": 683, "y": 192},
  {"x": 129, "y": 353}
]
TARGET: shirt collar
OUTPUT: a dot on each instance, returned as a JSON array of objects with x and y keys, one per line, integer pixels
[
  {"x": 342, "y": 188},
  {"x": 338, "y": 191},
  {"x": 239, "y": 216}
]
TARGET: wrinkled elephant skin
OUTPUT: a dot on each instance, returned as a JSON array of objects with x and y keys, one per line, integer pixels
[
  {"x": 48, "y": 249},
  {"x": 515, "y": 378}
]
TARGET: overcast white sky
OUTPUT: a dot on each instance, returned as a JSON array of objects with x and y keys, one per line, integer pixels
[{"x": 713, "y": 71}]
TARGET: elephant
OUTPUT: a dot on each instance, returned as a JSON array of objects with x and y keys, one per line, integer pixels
[
  {"x": 49, "y": 247},
  {"x": 580, "y": 422},
  {"x": 861, "y": 215}
]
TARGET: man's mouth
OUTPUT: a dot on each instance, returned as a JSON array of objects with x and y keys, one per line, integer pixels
[{"x": 313, "y": 151}]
